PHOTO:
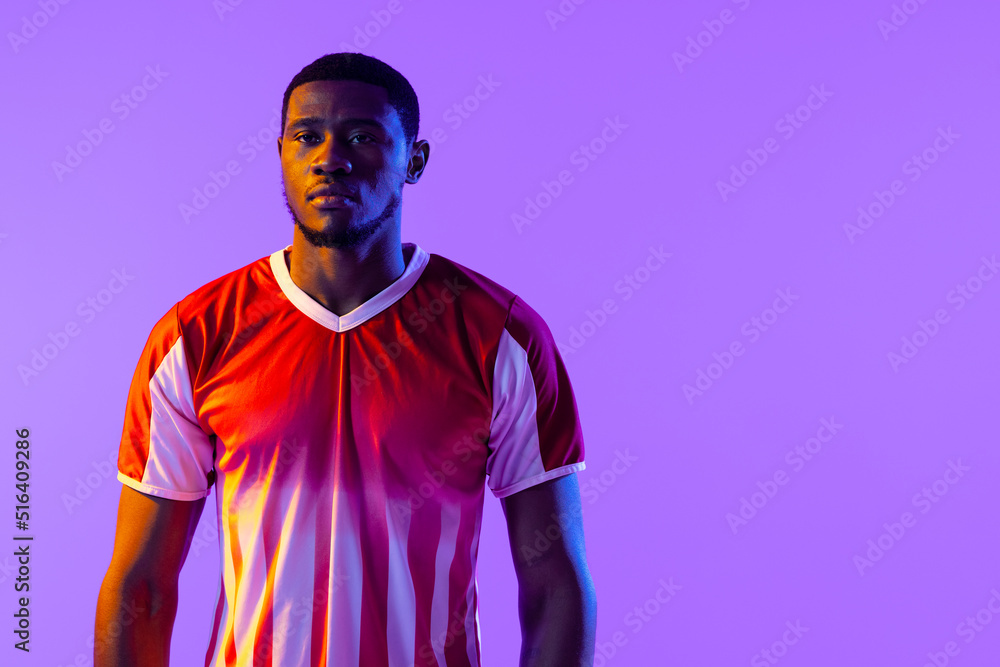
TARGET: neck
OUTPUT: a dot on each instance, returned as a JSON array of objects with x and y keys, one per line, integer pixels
[{"x": 341, "y": 279}]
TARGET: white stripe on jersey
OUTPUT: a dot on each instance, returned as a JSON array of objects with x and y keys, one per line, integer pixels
[
  {"x": 344, "y": 626},
  {"x": 401, "y": 624},
  {"x": 295, "y": 601},
  {"x": 175, "y": 462},
  {"x": 450, "y": 518}
]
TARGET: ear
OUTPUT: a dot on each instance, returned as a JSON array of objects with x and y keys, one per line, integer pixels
[
  {"x": 279, "y": 147},
  {"x": 418, "y": 161}
]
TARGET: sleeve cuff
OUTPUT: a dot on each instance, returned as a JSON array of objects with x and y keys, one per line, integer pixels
[
  {"x": 538, "y": 479},
  {"x": 170, "y": 494}
]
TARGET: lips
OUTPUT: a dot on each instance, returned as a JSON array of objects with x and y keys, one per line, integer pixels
[{"x": 331, "y": 191}]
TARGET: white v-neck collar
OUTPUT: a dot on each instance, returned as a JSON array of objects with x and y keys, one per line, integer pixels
[{"x": 370, "y": 308}]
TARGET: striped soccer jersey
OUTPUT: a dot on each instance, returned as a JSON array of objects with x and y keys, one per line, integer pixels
[{"x": 350, "y": 454}]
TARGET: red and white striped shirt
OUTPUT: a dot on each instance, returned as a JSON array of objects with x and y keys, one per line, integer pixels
[{"x": 350, "y": 453}]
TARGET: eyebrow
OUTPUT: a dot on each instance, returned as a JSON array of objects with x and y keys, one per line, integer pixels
[{"x": 313, "y": 121}]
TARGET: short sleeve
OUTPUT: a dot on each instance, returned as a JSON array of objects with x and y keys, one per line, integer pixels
[
  {"x": 535, "y": 433},
  {"x": 164, "y": 452}
]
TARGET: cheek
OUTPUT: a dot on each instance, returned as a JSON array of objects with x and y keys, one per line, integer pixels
[
  {"x": 294, "y": 183},
  {"x": 386, "y": 184}
]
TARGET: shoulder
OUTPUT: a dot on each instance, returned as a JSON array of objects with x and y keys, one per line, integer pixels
[
  {"x": 229, "y": 294},
  {"x": 519, "y": 318},
  {"x": 464, "y": 281},
  {"x": 485, "y": 304},
  {"x": 210, "y": 316},
  {"x": 461, "y": 279}
]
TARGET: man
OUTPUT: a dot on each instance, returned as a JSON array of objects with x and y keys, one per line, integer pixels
[{"x": 349, "y": 395}]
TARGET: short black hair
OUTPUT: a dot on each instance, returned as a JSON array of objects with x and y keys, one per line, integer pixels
[{"x": 359, "y": 67}]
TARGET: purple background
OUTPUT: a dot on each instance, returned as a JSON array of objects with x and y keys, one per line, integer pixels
[{"x": 693, "y": 459}]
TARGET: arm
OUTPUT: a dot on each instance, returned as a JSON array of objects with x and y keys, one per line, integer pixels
[
  {"x": 138, "y": 599},
  {"x": 557, "y": 603}
]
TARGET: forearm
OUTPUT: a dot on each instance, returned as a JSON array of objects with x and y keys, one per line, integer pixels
[
  {"x": 558, "y": 626},
  {"x": 133, "y": 625}
]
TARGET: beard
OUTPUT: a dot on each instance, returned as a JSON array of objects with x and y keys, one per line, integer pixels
[{"x": 347, "y": 238}]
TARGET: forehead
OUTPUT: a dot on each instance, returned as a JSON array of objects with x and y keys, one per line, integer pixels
[{"x": 342, "y": 99}]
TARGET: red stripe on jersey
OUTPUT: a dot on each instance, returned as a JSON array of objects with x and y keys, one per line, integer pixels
[
  {"x": 425, "y": 525},
  {"x": 363, "y": 463},
  {"x": 456, "y": 646},
  {"x": 320, "y": 458},
  {"x": 264, "y": 639}
]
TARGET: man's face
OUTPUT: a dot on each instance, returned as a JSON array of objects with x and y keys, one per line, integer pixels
[{"x": 343, "y": 134}]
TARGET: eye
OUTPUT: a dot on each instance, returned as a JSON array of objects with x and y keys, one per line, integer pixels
[{"x": 369, "y": 138}]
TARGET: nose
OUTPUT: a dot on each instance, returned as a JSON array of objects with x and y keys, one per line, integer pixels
[{"x": 330, "y": 158}]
